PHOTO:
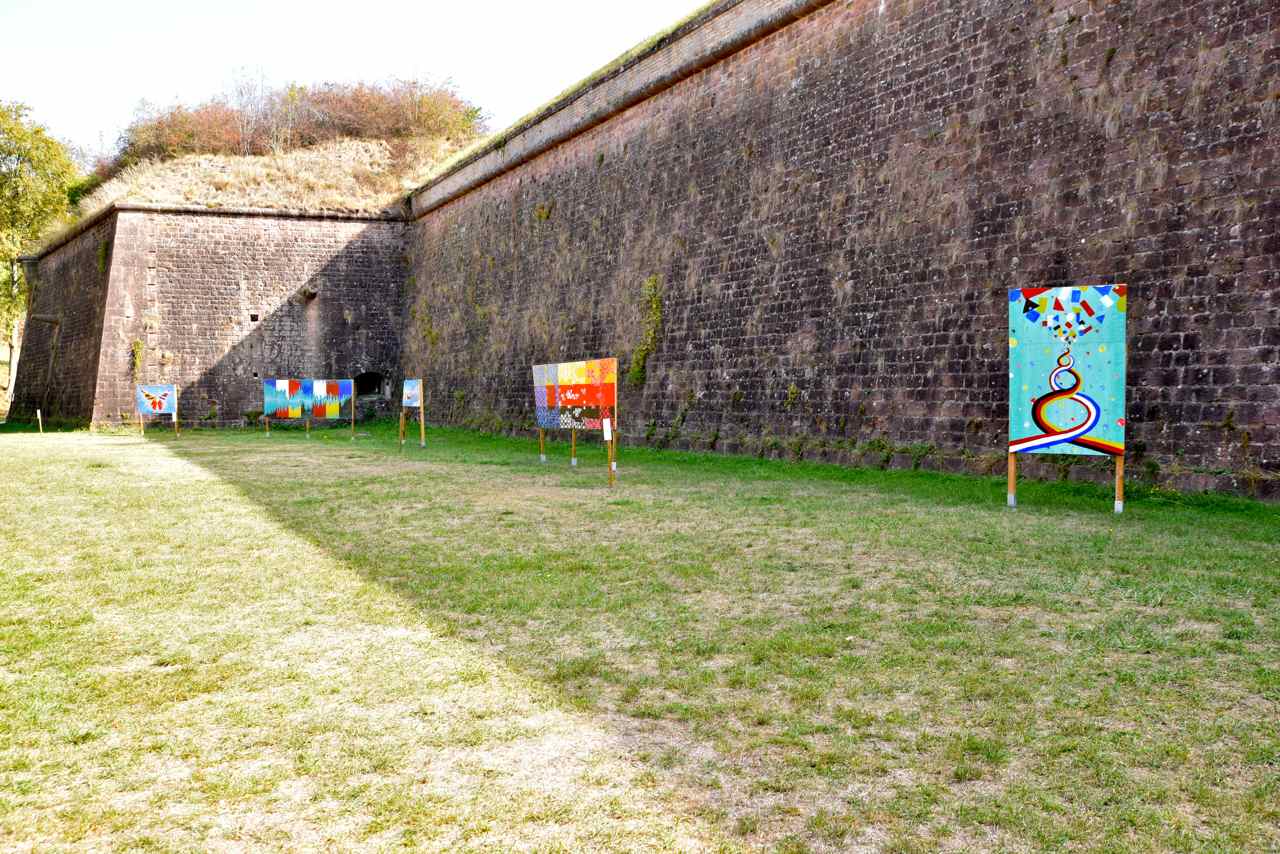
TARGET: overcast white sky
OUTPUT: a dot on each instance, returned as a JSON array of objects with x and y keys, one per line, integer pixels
[{"x": 83, "y": 67}]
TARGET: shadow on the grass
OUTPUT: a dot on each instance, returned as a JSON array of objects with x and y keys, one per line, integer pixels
[{"x": 541, "y": 605}]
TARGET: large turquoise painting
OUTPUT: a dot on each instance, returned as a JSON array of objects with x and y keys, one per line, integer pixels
[{"x": 1067, "y": 370}]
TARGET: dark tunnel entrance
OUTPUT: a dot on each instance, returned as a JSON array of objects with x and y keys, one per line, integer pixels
[{"x": 369, "y": 383}]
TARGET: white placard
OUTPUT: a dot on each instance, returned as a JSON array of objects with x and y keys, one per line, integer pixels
[{"x": 608, "y": 430}]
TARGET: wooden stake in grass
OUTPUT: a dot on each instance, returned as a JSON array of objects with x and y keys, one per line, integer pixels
[
  {"x": 266, "y": 420},
  {"x": 308, "y": 426},
  {"x": 1120, "y": 484},
  {"x": 422, "y": 420},
  {"x": 573, "y": 446},
  {"x": 402, "y": 416},
  {"x": 1013, "y": 480},
  {"x": 175, "y": 415},
  {"x": 142, "y": 426},
  {"x": 542, "y": 444},
  {"x": 40, "y": 421},
  {"x": 353, "y": 410}
]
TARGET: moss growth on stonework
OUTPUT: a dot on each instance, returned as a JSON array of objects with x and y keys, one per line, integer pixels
[
  {"x": 652, "y": 288},
  {"x": 138, "y": 349},
  {"x": 426, "y": 329},
  {"x": 879, "y": 446},
  {"x": 920, "y": 452},
  {"x": 793, "y": 396},
  {"x": 543, "y": 212},
  {"x": 673, "y": 432},
  {"x": 104, "y": 252}
]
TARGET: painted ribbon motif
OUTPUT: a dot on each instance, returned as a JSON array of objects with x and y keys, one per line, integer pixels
[{"x": 1055, "y": 435}]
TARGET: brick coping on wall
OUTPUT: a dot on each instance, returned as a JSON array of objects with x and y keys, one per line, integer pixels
[
  {"x": 721, "y": 30},
  {"x": 142, "y": 207}
]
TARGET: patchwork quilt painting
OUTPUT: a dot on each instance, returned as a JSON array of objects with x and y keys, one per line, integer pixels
[
  {"x": 299, "y": 398},
  {"x": 1067, "y": 370},
  {"x": 577, "y": 395},
  {"x": 157, "y": 399}
]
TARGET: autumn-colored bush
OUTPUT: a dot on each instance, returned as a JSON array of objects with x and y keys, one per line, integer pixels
[{"x": 257, "y": 120}]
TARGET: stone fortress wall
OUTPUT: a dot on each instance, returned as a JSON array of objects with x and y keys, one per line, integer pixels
[
  {"x": 803, "y": 218},
  {"x": 213, "y": 301},
  {"x": 794, "y": 221}
]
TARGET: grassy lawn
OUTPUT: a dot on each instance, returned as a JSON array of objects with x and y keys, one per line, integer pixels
[{"x": 233, "y": 641}]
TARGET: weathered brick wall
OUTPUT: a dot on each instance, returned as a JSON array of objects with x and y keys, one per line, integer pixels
[
  {"x": 217, "y": 302},
  {"x": 211, "y": 301},
  {"x": 58, "y": 365},
  {"x": 835, "y": 212}
]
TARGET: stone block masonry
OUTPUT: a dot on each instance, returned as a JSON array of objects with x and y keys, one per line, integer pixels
[
  {"x": 58, "y": 367},
  {"x": 794, "y": 221},
  {"x": 217, "y": 301},
  {"x": 832, "y": 212}
]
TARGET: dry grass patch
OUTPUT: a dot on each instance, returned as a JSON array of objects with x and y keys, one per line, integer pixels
[
  {"x": 343, "y": 176},
  {"x": 181, "y": 671},
  {"x": 719, "y": 652}
]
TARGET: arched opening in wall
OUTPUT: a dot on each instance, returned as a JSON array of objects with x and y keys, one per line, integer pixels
[{"x": 370, "y": 383}]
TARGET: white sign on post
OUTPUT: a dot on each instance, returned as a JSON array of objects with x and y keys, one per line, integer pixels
[{"x": 608, "y": 430}]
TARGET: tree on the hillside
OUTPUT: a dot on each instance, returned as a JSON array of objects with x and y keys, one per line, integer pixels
[
  {"x": 252, "y": 103},
  {"x": 35, "y": 173}
]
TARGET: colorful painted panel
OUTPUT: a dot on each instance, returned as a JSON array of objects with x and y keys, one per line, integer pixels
[
  {"x": 578, "y": 395},
  {"x": 157, "y": 399},
  {"x": 298, "y": 398},
  {"x": 412, "y": 396},
  {"x": 1067, "y": 370},
  {"x": 282, "y": 398},
  {"x": 327, "y": 397},
  {"x": 546, "y": 396}
]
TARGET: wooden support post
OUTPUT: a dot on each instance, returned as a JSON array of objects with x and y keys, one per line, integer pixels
[
  {"x": 542, "y": 444},
  {"x": 142, "y": 426},
  {"x": 40, "y": 421},
  {"x": 308, "y": 426},
  {"x": 609, "y": 448},
  {"x": 175, "y": 416},
  {"x": 266, "y": 420},
  {"x": 1013, "y": 480},
  {"x": 402, "y": 417},
  {"x": 1120, "y": 484},
  {"x": 353, "y": 410},
  {"x": 422, "y": 419},
  {"x": 573, "y": 446}
]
